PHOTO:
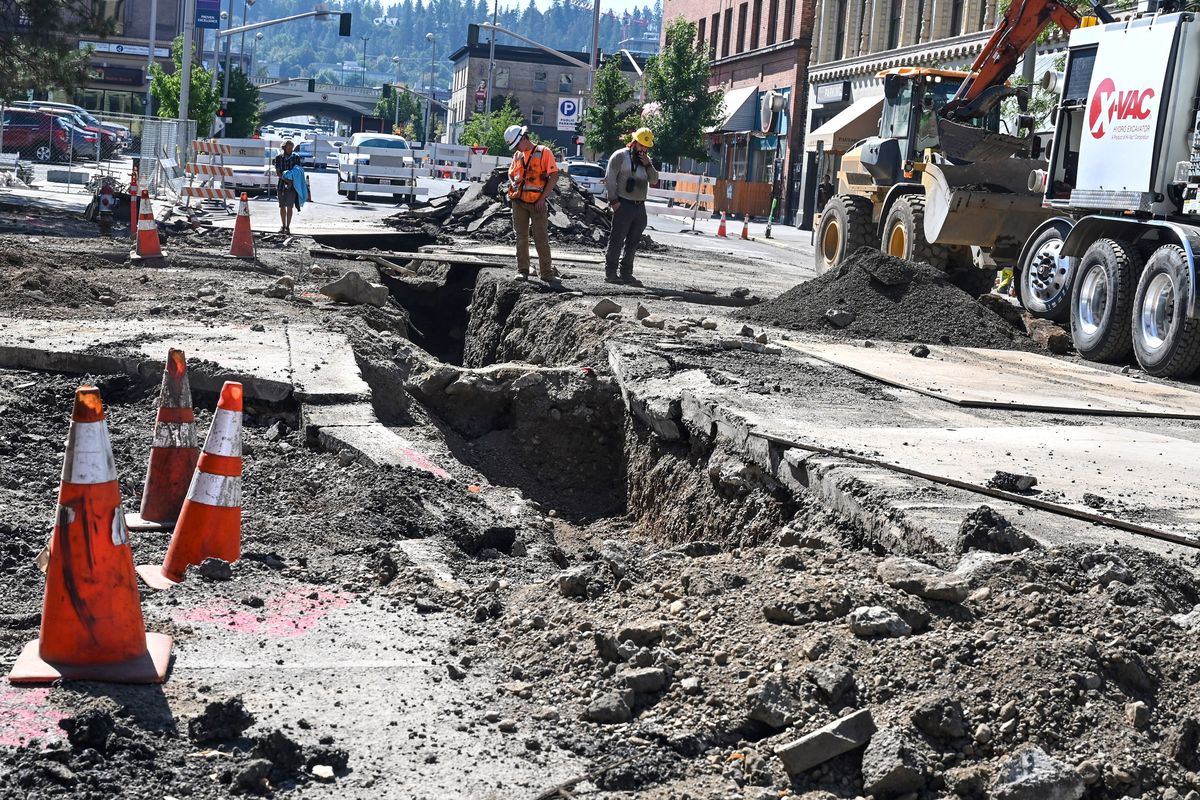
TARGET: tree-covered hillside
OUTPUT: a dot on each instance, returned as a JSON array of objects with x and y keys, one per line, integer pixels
[{"x": 302, "y": 48}]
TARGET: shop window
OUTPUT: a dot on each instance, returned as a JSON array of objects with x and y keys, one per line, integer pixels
[
  {"x": 113, "y": 12},
  {"x": 539, "y": 80},
  {"x": 763, "y": 169},
  {"x": 537, "y": 115},
  {"x": 566, "y": 83}
]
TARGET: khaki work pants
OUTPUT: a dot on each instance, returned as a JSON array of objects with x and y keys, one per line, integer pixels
[{"x": 527, "y": 219}]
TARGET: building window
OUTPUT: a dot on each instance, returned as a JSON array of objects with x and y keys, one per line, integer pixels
[
  {"x": 839, "y": 30},
  {"x": 772, "y": 21},
  {"x": 566, "y": 83},
  {"x": 537, "y": 115},
  {"x": 712, "y": 34},
  {"x": 893, "y": 36},
  {"x": 956, "y": 17},
  {"x": 539, "y": 80},
  {"x": 701, "y": 24},
  {"x": 725, "y": 34},
  {"x": 502, "y": 75},
  {"x": 113, "y": 11},
  {"x": 789, "y": 11},
  {"x": 741, "y": 40},
  {"x": 755, "y": 24},
  {"x": 983, "y": 9}
]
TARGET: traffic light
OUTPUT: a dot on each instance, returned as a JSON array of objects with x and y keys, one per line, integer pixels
[
  {"x": 222, "y": 113},
  {"x": 387, "y": 90},
  {"x": 312, "y": 84},
  {"x": 472, "y": 34},
  {"x": 344, "y": 24}
]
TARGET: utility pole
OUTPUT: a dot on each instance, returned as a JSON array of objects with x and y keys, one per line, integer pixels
[
  {"x": 364, "y": 72},
  {"x": 594, "y": 57},
  {"x": 429, "y": 100},
  {"x": 150, "y": 57},
  {"x": 487, "y": 109},
  {"x": 185, "y": 79}
]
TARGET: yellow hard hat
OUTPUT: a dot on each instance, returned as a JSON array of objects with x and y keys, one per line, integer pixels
[{"x": 644, "y": 137}]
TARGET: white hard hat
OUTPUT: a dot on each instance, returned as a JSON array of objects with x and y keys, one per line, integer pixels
[{"x": 513, "y": 134}]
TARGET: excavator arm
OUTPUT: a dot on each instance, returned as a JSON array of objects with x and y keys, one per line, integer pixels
[{"x": 1023, "y": 22}]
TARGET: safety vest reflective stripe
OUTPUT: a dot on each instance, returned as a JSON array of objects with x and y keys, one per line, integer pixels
[
  {"x": 89, "y": 458},
  {"x": 174, "y": 434},
  {"x": 216, "y": 490},
  {"x": 229, "y": 466},
  {"x": 225, "y": 435},
  {"x": 528, "y": 175}
]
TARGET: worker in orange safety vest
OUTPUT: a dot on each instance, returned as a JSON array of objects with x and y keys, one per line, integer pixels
[{"x": 532, "y": 177}]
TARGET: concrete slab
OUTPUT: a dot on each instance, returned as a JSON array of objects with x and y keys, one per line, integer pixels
[
  {"x": 315, "y": 417},
  {"x": 260, "y": 360},
  {"x": 324, "y": 369},
  {"x": 377, "y": 446},
  {"x": 1007, "y": 379}
]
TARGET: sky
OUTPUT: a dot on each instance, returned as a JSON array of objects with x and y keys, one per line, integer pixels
[{"x": 616, "y": 6}]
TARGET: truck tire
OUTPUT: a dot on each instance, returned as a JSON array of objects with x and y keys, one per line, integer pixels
[
  {"x": 1165, "y": 341},
  {"x": 845, "y": 227},
  {"x": 1102, "y": 300},
  {"x": 351, "y": 196},
  {"x": 1044, "y": 277}
]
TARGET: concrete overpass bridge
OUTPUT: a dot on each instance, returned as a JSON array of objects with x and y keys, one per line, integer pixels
[{"x": 295, "y": 97}]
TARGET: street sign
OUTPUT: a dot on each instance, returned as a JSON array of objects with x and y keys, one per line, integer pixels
[
  {"x": 208, "y": 13},
  {"x": 568, "y": 113}
]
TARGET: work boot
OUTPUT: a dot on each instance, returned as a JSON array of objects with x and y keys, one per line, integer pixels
[
  {"x": 629, "y": 280},
  {"x": 521, "y": 276},
  {"x": 610, "y": 276}
]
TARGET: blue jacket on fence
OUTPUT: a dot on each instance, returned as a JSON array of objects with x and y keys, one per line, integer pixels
[{"x": 296, "y": 176}]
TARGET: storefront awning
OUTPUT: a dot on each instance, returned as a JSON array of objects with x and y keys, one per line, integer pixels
[
  {"x": 737, "y": 110},
  {"x": 850, "y": 126}
]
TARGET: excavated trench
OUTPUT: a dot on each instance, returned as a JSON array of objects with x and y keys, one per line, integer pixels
[{"x": 521, "y": 385}]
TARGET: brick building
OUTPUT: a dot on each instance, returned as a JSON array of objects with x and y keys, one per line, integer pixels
[
  {"x": 537, "y": 81},
  {"x": 854, "y": 40},
  {"x": 760, "y": 51}
]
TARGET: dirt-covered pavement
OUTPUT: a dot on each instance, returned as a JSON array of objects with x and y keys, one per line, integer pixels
[{"x": 616, "y": 604}]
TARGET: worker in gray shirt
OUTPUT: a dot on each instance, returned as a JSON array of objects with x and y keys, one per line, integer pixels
[{"x": 628, "y": 178}]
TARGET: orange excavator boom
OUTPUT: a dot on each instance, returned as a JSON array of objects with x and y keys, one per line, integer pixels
[{"x": 1020, "y": 27}]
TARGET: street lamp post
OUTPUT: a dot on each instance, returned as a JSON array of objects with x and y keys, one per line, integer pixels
[
  {"x": 429, "y": 37},
  {"x": 396, "y": 95},
  {"x": 254, "y": 51},
  {"x": 246, "y": 5},
  {"x": 364, "y": 72}
]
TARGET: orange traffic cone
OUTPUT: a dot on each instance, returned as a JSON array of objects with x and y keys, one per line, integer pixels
[
  {"x": 147, "y": 235},
  {"x": 133, "y": 204},
  {"x": 746, "y": 227},
  {"x": 242, "y": 245},
  {"x": 210, "y": 524},
  {"x": 173, "y": 452},
  {"x": 721, "y": 227},
  {"x": 92, "y": 626}
]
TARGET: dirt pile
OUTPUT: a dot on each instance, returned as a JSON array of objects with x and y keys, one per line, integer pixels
[
  {"x": 875, "y": 296},
  {"x": 481, "y": 211}
]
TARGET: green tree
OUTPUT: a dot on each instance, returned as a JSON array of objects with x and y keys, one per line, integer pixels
[
  {"x": 487, "y": 130},
  {"x": 38, "y": 44},
  {"x": 245, "y": 106},
  {"x": 410, "y": 108},
  {"x": 327, "y": 76},
  {"x": 680, "y": 103},
  {"x": 203, "y": 99},
  {"x": 609, "y": 117}
]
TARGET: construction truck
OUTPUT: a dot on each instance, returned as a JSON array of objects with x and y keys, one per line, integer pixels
[{"x": 941, "y": 183}]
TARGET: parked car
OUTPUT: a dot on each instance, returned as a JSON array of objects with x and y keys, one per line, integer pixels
[
  {"x": 589, "y": 175},
  {"x": 120, "y": 139},
  {"x": 348, "y": 161},
  {"x": 85, "y": 135},
  {"x": 331, "y": 159},
  {"x": 35, "y": 134}
]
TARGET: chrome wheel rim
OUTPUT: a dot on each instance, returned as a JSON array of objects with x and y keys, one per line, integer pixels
[
  {"x": 1093, "y": 299},
  {"x": 1048, "y": 276},
  {"x": 1158, "y": 311}
]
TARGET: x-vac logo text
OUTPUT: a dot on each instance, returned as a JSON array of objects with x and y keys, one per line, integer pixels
[{"x": 1109, "y": 106}]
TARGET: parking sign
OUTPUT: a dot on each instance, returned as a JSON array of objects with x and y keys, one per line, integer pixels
[{"x": 568, "y": 113}]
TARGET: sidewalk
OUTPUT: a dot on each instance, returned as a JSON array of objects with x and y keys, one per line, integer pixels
[
  {"x": 45, "y": 199},
  {"x": 783, "y": 235}
]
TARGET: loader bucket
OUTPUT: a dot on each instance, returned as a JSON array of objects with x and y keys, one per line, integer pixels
[{"x": 982, "y": 203}]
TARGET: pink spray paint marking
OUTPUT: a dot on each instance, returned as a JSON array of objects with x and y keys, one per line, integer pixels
[
  {"x": 26, "y": 714},
  {"x": 282, "y": 616}
]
